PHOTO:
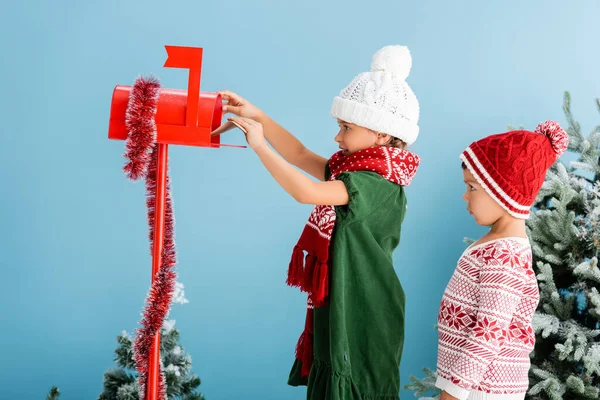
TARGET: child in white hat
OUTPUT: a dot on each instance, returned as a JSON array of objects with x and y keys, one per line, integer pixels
[{"x": 352, "y": 343}]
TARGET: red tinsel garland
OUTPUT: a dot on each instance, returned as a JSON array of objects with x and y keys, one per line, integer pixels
[{"x": 142, "y": 155}]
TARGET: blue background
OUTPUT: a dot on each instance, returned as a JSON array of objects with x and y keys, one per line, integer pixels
[{"x": 75, "y": 267}]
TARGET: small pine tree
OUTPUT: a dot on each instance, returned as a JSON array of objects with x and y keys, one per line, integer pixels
[
  {"x": 181, "y": 384},
  {"x": 564, "y": 230},
  {"x": 54, "y": 394},
  {"x": 121, "y": 383}
]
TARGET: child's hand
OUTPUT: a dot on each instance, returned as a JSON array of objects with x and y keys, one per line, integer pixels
[
  {"x": 236, "y": 105},
  {"x": 446, "y": 396},
  {"x": 252, "y": 129}
]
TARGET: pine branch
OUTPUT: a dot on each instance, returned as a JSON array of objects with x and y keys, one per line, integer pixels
[
  {"x": 54, "y": 394},
  {"x": 128, "y": 392},
  {"x": 124, "y": 352},
  {"x": 425, "y": 385},
  {"x": 574, "y": 129}
]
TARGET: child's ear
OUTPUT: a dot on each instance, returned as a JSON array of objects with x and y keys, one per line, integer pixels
[{"x": 383, "y": 139}]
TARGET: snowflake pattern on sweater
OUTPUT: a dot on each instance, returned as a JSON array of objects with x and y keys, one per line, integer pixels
[{"x": 485, "y": 334}]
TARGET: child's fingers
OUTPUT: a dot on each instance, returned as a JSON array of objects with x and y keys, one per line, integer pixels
[
  {"x": 240, "y": 124},
  {"x": 232, "y": 98},
  {"x": 227, "y": 126},
  {"x": 227, "y": 109},
  {"x": 248, "y": 121},
  {"x": 239, "y": 120}
]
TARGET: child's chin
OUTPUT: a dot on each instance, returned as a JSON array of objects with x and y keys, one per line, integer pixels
[{"x": 478, "y": 222}]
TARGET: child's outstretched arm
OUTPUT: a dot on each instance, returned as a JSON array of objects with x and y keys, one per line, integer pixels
[
  {"x": 286, "y": 144},
  {"x": 299, "y": 186}
]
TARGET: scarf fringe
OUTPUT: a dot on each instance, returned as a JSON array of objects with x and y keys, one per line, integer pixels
[
  {"x": 310, "y": 275},
  {"x": 296, "y": 269},
  {"x": 304, "y": 348}
]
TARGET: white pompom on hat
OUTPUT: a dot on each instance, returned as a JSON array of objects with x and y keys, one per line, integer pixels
[{"x": 381, "y": 100}]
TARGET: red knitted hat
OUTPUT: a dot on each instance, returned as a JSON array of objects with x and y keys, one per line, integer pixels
[{"x": 512, "y": 166}]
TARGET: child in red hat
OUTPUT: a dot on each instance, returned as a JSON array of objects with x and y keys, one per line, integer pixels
[{"x": 484, "y": 322}]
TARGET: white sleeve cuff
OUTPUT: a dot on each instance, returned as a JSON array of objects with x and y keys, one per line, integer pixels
[{"x": 452, "y": 389}]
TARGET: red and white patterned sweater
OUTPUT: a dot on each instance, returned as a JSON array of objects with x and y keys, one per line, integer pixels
[{"x": 484, "y": 323}]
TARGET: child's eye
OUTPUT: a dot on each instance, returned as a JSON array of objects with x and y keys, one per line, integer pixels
[
  {"x": 344, "y": 127},
  {"x": 471, "y": 187}
]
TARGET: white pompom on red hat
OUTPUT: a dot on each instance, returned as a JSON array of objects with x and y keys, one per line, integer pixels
[{"x": 559, "y": 139}]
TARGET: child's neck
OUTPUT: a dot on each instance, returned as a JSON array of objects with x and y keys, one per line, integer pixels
[
  {"x": 508, "y": 227},
  {"x": 504, "y": 227}
]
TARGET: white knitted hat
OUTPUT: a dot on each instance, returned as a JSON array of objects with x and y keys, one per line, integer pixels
[{"x": 381, "y": 100}]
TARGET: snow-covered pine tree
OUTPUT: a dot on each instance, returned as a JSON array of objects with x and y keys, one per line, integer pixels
[
  {"x": 564, "y": 229},
  {"x": 565, "y": 237},
  {"x": 121, "y": 383}
]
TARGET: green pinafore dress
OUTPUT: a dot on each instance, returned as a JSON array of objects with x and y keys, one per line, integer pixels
[{"x": 358, "y": 338}]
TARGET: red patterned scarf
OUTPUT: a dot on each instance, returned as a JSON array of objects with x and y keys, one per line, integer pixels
[{"x": 310, "y": 272}]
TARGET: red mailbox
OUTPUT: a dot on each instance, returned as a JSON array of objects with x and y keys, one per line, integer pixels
[
  {"x": 183, "y": 118},
  {"x": 171, "y": 117}
]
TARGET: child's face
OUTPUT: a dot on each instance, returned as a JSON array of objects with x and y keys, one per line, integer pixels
[
  {"x": 352, "y": 138},
  {"x": 480, "y": 204}
]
